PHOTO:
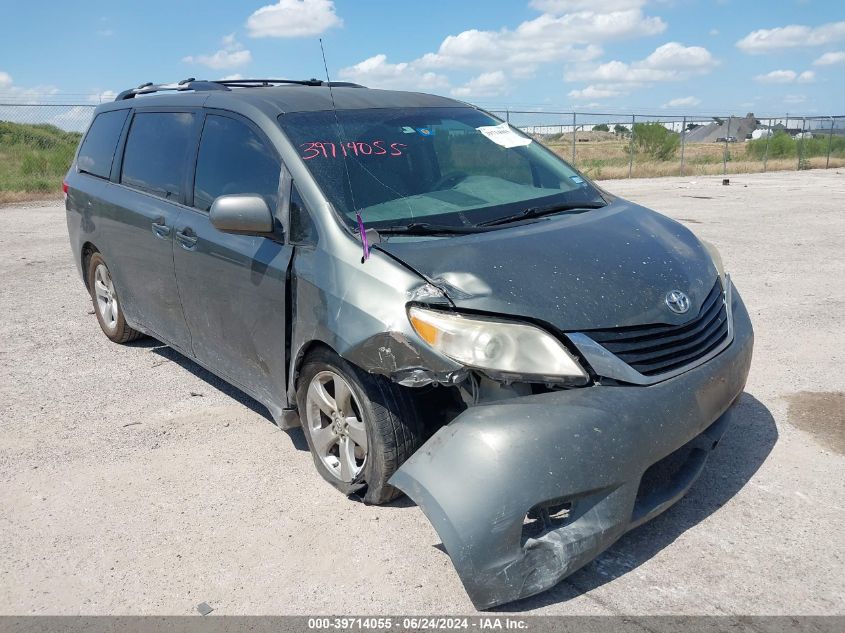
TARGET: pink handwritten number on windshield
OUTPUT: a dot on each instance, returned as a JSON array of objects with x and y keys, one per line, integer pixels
[{"x": 327, "y": 149}]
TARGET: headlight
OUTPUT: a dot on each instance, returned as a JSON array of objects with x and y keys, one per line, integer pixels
[{"x": 502, "y": 348}]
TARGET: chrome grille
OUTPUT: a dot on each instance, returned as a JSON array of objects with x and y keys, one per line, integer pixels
[{"x": 656, "y": 349}]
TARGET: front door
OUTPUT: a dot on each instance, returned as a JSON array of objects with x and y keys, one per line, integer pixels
[{"x": 233, "y": 286}]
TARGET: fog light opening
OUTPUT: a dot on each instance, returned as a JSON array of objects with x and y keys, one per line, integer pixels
[{"x": 545, "y": 517}]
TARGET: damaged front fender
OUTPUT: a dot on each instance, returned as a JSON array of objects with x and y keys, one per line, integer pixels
[
  {"x": 359, "y": 311},
  {"x": 526, "y": 491},
  {"x": 410, "y": 364}
]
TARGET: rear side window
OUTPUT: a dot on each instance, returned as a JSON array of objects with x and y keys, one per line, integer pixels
[
  {"x": 97, "y": 151},
  {"x": 234, "y": 159},
  {"x": 156, "y": 152}
]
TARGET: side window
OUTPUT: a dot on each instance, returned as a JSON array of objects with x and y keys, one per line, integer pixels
[
  {"x": 97, "y": 151},
  {"x": 233, "y": 159},
  {"x": 156, "y": 152},
  {"x": 302, "y": 229}
]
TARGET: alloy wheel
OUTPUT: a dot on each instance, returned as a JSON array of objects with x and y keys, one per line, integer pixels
[
  {"x": 106, "y": 298},
  {"x": 335, "y": 425}
]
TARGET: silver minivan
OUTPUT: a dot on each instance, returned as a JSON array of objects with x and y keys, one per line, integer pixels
[{"x": 446, "y": 307}]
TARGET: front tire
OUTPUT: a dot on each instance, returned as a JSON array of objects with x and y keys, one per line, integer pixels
[
  {"x": 360, "y": 427},
  {"x": 106, "y": 304}
]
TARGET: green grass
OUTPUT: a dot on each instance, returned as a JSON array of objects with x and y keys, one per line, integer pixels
[
  {"x": 781, "y": 145},
  {"x": 34, "y": 158}
]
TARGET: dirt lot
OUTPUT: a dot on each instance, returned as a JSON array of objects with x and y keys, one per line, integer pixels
[{"x": 133, "y": 482}]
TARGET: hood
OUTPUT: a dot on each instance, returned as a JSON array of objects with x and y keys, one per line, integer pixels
[{"x": 609, "y": 267}]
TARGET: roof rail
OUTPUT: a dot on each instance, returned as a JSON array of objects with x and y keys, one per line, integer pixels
[
  {"x": 185, "y": 84},
  {"x": 252, "y": 83},
  {"x": 226, "y": 84}
]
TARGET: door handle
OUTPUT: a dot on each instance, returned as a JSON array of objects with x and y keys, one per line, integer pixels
[
  {"x": 160, "y": 229},
  {"x": 187, "y": 239}
]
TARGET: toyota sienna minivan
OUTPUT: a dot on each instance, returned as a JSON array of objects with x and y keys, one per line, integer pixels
[{"x": 446, "y": 307}]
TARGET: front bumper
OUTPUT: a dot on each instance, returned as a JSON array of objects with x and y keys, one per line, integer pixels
[{"x": 585, "y": 450}]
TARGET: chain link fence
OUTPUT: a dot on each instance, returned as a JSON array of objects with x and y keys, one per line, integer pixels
[
  {"x": 644, "y": 145},
  {"x": 38, "y": 140},
  {"x": 37, "y": 144}
]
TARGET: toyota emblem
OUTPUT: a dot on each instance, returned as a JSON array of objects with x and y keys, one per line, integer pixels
[{"x": 677, "y": 301}]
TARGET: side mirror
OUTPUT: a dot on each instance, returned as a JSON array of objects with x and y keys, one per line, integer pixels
[{"x": 243, "y": 214}]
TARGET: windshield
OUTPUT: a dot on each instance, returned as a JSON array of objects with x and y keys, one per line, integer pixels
[{"x": 445, "y": 166}]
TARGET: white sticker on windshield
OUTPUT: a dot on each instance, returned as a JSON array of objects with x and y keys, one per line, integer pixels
[{"x": 503, "y": 135}]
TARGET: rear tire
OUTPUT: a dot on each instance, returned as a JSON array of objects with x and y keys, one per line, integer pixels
[
  {"x": 106, "y": 303},
  {"x": 333, "y": 425}
]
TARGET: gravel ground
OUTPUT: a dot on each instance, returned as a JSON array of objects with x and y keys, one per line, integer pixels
[{"x": 134, "y": 482}]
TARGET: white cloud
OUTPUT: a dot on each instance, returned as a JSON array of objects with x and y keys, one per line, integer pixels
[
  {"x": 828, "y": 59},
  {"x": 566, "y": 31},
  {"x": 786, "y": 77},
  {"x": 552, "y": 37},
  {"x": 670, "y": 62},
  {"x": 777, "y": 77},
  {"x": 676, "y": 56},
  {"x": 572, "y": 37},
  {"x": 293, "y": 18},
  {"x": 75, "y": 119},
  {"x": 102, "y": 97},
  {"x": 714, "y": 32},
  {"x": 683, "y": 102},
  {"x": 233, "y": 77},
  {"x": 792, "y": 36},
  {"x": 593, "y": 92},
  {"x": 485, "y": 85},
  {"x": 377, "y": 72},
  {"x": 793, "y": 99},
  {"x": 232, "y": 55},
  {"x": 598, "y": 6},
  {"x": 19, "y": 95}
]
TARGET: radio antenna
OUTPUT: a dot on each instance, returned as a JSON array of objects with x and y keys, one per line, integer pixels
[{"x": 361, "y": 228}]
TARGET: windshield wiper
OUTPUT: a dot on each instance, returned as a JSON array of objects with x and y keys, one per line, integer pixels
[
  {"x": 424, "y": 228},
  {"x": 536, "y": 212}
]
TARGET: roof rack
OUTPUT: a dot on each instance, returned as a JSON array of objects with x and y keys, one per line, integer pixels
[{"x": 226, "y": 84}]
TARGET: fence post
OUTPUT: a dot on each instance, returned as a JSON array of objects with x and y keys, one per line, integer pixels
[
  {"x": 508, "y": 115},
  {"x": 573, "y": 139},
  {"x": 631, "y": 145},
  {"x": 683, "y": 134},
  {"x": 725, "y": 153},
  {"x": 769, "y": 134},
  {"x": 829, "y": 139},
  {"x": 800, "y": 148}
]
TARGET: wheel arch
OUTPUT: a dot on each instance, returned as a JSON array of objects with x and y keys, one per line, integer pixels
[
  {"x": 86, "y": 252},
  {"x": 298, "y": 359}
]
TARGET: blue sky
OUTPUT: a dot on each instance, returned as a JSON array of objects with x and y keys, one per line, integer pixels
[{"x": 684, "y": 56}]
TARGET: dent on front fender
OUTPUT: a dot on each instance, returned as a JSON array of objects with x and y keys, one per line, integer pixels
[
  {"x": 395, "y": 355},
  {"x": 359, "y": 311}
]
